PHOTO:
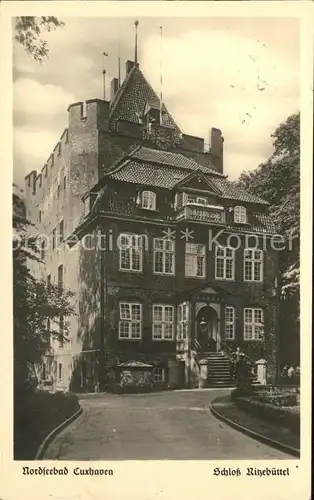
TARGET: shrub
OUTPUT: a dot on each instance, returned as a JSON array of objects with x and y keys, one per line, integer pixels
[
  {"x": 281, "y": 415},
  {"x": 277, "y": 398},
  {"x": 36, "y": 414}
]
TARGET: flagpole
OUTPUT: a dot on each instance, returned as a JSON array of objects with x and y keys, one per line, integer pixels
[
  {"x": 161, "y": 82},
  {"x": 104, "y": 75}
]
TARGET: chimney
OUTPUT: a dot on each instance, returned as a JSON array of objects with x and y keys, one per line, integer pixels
[
  {"x": 216, "y": 141},
  {"x": 114, "y": 85},
  {"x": 128, "y": 66}
]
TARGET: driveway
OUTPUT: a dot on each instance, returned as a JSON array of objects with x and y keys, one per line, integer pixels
[{"x": 158, "y": 426}]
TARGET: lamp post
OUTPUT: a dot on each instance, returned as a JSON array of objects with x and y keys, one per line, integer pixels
[
  {"x": 203, "y": 327},
  {"x": 262, "y": 338}
]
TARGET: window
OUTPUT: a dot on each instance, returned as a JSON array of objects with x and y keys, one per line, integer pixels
[
  {"x": 53, "y": 239},
  {"x": 240, "y": 214},
  {"x": 60, "y": 277},
  {"x": 163, "y": 322},
  {"x": 64, "y": 183},
  {"x": 87, "y": 204},
  {"x": 130, "y": 324},
  {"x": 229, "y": 323},
  {"x": 253, "y": 265},
  {"x": 253, "y": 323},
  {"x": 164, "y": 256},
  {"x": 191, "y": 198},
  {"x": 131, "y": 252},
  {"x": 61, "y": 231},
  {"x": 42, "y": 250},
  {"x": 224, "y": 263},
  {"x": 60, "y": 371},
  {"x": 149, "y": 200},
  {"x": 195, "y": 260},
  {"x": 61, "y": 331},
  {"x": 159, "y": 374},
  {"x": 183, "y": 313},
  {"x": 49, "y": 332}
]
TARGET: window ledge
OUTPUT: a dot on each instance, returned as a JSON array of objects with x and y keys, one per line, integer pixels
[
  {"x": 163, "y": 274},
  {"x": 131, "y": 271},
  {"x": 253, "y": 281},
  {"x": 162, "y": 340},
  {"x": 195, "y": 277},
  {"x": 152, "y": 210},
  {"x": 129, "y": 338}
]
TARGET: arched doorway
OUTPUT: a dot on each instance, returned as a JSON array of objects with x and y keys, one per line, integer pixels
[{"x": 207, "y": 329}]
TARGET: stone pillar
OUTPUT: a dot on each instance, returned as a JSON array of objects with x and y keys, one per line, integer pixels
[
  {"x": 203, "y": 373},
  {"x": 261, "y": 366}
]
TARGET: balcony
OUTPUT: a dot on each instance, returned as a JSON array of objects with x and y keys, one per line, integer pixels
[{"x": 201, "y": 213}]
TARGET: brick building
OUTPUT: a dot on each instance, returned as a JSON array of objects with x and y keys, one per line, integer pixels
[{"x": 131, "y": 207}]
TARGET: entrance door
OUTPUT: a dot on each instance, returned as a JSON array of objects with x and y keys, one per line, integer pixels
[{"x": 207, "y": 329}]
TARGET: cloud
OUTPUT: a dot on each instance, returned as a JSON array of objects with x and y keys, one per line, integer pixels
[
  {"x": 34, "y": 102},
  {"x": 222, "y": 79},
  {"x": 240, "y": 75},
  {"x": 32, "y": 147}
]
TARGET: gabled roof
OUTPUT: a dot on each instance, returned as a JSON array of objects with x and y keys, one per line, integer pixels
[
  {"x": 132, "y": 97},
  {"x": 200, "y": 177},
  {"x": 134, "y": 364},
  {"x": 164, "y": 169},
  {"x": 205, "y": 288}
]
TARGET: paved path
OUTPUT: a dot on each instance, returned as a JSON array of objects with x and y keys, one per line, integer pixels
[{"x": 159, "y": 426}]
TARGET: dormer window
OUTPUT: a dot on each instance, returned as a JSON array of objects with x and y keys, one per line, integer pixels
[
  {"x": 152, "y": 112},
  {"x": 240, "y": 214},
  {"x": 148, "y": 200},
  {"x": 86, "y": 205},
  {"x": 88, "y": 201}
]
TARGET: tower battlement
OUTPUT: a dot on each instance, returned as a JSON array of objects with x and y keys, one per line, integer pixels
[{"x": 93, "y": 113}]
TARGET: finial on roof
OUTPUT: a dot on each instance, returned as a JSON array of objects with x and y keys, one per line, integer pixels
[
  {"x": 104, "y": 76},
  {"x": 136, "y": 25}
]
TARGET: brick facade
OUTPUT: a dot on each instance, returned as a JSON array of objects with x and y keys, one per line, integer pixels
[{"x": 88, "y": 153}]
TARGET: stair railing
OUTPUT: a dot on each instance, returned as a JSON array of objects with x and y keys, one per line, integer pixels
[{"x": 230, "y": 351}]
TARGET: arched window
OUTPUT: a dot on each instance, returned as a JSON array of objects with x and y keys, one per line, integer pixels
[
  {"x": 240, "y": 214},
  {"x": 149, "y": 200}
]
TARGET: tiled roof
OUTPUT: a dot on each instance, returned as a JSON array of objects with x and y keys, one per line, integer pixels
[
  {"x": 164, "y": 169},
  {"x": 261, "y": 223},
  {"x": 171, "y": 159},
  {"x": 131, "y": 98},
  {"x": 148, "y": 175},
  {"x": 232, "y": 192}
]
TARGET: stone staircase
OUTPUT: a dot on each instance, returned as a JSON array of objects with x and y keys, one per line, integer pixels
[{"x": 219, "y": 370}]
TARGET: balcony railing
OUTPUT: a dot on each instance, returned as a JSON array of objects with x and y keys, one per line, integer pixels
[{"x": 201, "y": 213}]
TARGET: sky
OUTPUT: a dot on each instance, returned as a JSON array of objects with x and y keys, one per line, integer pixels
[{"x": 237, "y": 74}]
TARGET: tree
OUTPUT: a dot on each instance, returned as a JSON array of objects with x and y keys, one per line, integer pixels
[
  {"x": 38, "y": 308},
  {"x": 29, "y": 31},
  {"x": 278, "y": 182}
]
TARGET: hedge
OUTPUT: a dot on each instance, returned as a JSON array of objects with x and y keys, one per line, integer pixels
[
  {"x": 280, "y": 415},
  {"x": 36, "y": 414}
]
